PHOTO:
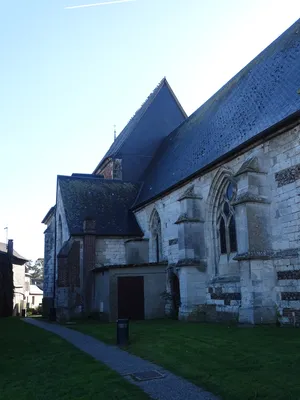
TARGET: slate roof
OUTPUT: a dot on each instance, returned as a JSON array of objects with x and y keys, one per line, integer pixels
[
  {"x": 257, "y": 98},
  {"x": 117, "y": 148},
  {"x": 3, "y": 249},
  {"x": 106, "y": 201},
  {"x": 33, "y": 289}
]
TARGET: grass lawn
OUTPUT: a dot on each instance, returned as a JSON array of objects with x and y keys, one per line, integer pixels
[
  {"x": 236, "y": 363},
  {"x": 37, "y": 365}
]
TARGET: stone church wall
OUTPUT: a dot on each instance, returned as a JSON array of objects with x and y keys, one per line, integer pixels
[
  {"x": 110, "y": 251},
  {"x": 49, "y": 249},
  {"x": 62, "y": 233},
  {"x": 274, "y": 271}
]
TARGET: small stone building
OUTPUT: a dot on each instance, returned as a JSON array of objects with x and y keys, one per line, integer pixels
[
  {"x": 14, "y": 264},
  {"x": 18, "y": 266},
  {"x": 33, "y": 294},
  {"x": 197, "y": 215}
]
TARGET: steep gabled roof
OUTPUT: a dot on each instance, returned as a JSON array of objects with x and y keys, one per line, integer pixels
[
  {"x": 259, "y": 97},
  {"x": 106, "y": 201},
  {"x": 116, "y": 148}
]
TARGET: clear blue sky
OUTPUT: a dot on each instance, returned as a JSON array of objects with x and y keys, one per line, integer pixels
[{"x": 68, "y": 75}]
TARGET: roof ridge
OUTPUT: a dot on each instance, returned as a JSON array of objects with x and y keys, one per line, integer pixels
[
  {"x": 137, "y": 115},
  {"x": 96, "y": 178},
  {"x": 148, "y": 100}
]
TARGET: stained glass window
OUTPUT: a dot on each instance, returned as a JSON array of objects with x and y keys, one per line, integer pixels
[
  {"x": 229, "y": 191},
  {"x": 226, "y": 209},
  {"x": 155, "y": 226},
  {"x": 223, "y": 236},
  {"x": 157, "y": 248},
  {"x": 227, "y": 230},
  {"x": 232, "y": 235}
]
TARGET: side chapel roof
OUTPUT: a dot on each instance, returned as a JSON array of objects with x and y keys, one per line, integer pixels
[{"x": 108, "y": 202}]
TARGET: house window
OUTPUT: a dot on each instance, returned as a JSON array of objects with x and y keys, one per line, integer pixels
[
  {"x": 32, "y": 300},
  {"x": 226, "y": 221}
]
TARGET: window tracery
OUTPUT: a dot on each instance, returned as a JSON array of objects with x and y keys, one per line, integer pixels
[
  {"x": 156, "y": 236},
  {"x": 226, "y": 221}
]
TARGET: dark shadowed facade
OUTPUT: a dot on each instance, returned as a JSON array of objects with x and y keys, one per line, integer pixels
[
  {"x": 199, "y": 215},
  {"x": 12, "y": 280}
]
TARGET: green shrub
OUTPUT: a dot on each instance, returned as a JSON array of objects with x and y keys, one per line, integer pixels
[{"x": 35, "y": 311}]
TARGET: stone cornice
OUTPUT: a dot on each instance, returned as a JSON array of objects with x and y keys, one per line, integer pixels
[
  {"x": 190, "y": 194},
  {"x": 201, "y": 265},
  {"x": 267, "y": 254},
  {"x": 250, "y": 165},
  {"x": 248, "y": 197},
  {"x": 103, "y": 268},
  {"x": 137, "y": 240},
  {"x": 225, "y": 279},
  {"x": 185, "y": 218}
]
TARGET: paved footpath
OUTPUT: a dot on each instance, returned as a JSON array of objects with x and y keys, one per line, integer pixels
[{"x": 170, "y": 387}]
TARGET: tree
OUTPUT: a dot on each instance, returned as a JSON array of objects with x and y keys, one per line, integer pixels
[{"x": 35, "y": 269}]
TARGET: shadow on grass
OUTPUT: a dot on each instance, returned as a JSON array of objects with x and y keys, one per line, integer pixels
[{"x": 258, "y": 363}]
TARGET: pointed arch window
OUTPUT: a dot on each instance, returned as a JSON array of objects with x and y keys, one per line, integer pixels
[
  {"x": 155, "y": 227},
  {"x": 226, "y": 221},
  {"x": 59, "y": 234}
]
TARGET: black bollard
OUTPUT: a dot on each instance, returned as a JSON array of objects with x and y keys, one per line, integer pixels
[{"x": 122, "y": 332}]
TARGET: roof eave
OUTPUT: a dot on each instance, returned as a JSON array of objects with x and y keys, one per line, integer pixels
[
  {"x": 176, "y": 99},
  {"x": 110, "y": 234},
  {"x": 48, "y": 215},
  {"x": 276, "y": 129},
  {"x": 19, "y": 261}
]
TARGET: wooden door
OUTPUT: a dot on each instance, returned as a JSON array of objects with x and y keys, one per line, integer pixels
[{"x": 131, "y": 297}]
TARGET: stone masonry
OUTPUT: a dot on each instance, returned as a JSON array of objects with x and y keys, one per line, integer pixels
[
  {"x": 206, "y": 207},
  {"x": 270, "y": 184}
]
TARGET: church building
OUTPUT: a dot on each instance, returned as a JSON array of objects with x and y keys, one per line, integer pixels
[{"x": 195, "y": 216}]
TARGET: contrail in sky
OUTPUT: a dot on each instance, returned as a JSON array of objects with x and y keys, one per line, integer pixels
[{"x": 99, "y": 4}]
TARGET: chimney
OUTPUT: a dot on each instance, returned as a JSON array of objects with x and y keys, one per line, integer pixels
[
  {"x": 89, "y": 226},
  {"x": 10, "y": 248}
]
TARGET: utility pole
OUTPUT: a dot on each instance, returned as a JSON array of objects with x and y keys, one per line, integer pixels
[{"x": 115, "y": 133}]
